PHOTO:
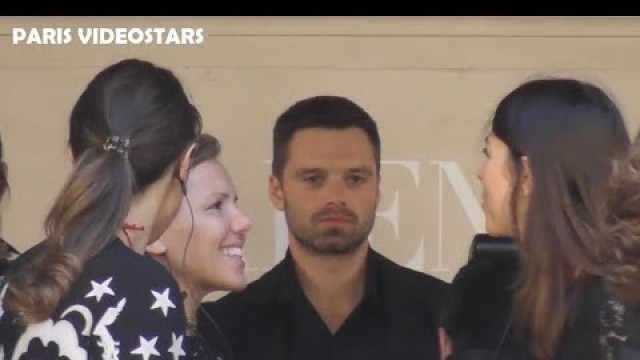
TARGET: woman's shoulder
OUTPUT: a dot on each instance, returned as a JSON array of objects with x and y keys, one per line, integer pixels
[
  {"x": 120, "y": 273},
  {"x": 120, "y": 303},
  {"x": 119, "y": 284},
  {"x": 597, "y": 327},
  {"x": 120, "y": 261},
  {"x": 614, "y": 319}
]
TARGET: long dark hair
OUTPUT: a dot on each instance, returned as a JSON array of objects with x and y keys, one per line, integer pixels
[
  {"x": 570, "y": 131},
  {"x": 131, "y": 123}
]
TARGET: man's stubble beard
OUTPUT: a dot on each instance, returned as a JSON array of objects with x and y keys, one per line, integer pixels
[{"x": 333, "y": 241}]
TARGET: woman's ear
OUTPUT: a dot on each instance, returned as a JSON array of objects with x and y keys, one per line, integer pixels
[
  {"x": 185, "y": 163},
  {"x": 156, "y": 248},
  {"x": 526, "y": 181}
]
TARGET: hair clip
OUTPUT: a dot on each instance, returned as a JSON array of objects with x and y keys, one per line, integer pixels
[{"x": 116, "y": 143}]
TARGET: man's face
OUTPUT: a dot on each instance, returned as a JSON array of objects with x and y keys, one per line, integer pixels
[{"x": 329, "y": 189}]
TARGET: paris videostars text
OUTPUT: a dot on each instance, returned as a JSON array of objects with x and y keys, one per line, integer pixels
[{"x": 108, "y": 36}]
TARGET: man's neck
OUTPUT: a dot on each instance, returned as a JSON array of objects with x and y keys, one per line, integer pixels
[{"x": 334, "y": 284}]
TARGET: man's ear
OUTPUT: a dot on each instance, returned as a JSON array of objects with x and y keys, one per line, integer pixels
[
  {"x": 526, "y": 182},
  {"x": 156, "y": 248},
  {"x": 185, "y": 163},
  {"x": 446, "y": 348},
  {"x": 275, "y": 193},
  {"x": 378, "y": 192},
  {"x": 69, "y": 154}
]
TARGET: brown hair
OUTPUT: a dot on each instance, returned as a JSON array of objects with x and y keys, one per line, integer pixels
[
  {"x": 623, "y": 231},
  {"x": 207, "y": 148},
  {"x": 131, "y": 124},
  {"x": 570, "y": 131}
]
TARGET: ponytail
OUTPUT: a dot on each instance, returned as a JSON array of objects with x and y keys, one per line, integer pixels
[{"x": 82, "y": 222}]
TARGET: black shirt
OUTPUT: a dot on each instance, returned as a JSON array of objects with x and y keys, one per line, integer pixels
[
  {"x": 361, "y": 335},
  {"x": 272, "y": 319}
]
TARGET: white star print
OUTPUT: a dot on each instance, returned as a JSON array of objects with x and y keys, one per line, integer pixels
[
  {"x": 176, "y": 346},
  {"x": 146, "y": 348},
  {"x": 162, "y": 301},
  {"x": 100, "y": 289},
  {"x": 4, "y": 290}
]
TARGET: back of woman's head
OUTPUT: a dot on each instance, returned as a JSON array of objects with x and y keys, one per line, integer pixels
[
  {"x": 138, "y": 101},
  {"x": 129, "y": 127},
  {"x": 570, "y": 132}
]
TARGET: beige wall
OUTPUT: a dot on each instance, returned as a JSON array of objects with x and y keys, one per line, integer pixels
[{"x": 430, "y": 82}]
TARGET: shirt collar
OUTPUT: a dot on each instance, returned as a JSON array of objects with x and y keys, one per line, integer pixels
[{"x": 372, "y": 294}]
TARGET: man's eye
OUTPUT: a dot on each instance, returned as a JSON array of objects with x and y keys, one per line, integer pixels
[
  {"x": 313, "y": 179},
  {"x": 355, "y": 180}
]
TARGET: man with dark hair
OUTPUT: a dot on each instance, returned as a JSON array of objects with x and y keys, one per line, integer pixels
[{"x": 333, "y": 296}]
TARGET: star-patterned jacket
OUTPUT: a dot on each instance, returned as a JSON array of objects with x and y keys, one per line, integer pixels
[{"x": 122, "y": 306}]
